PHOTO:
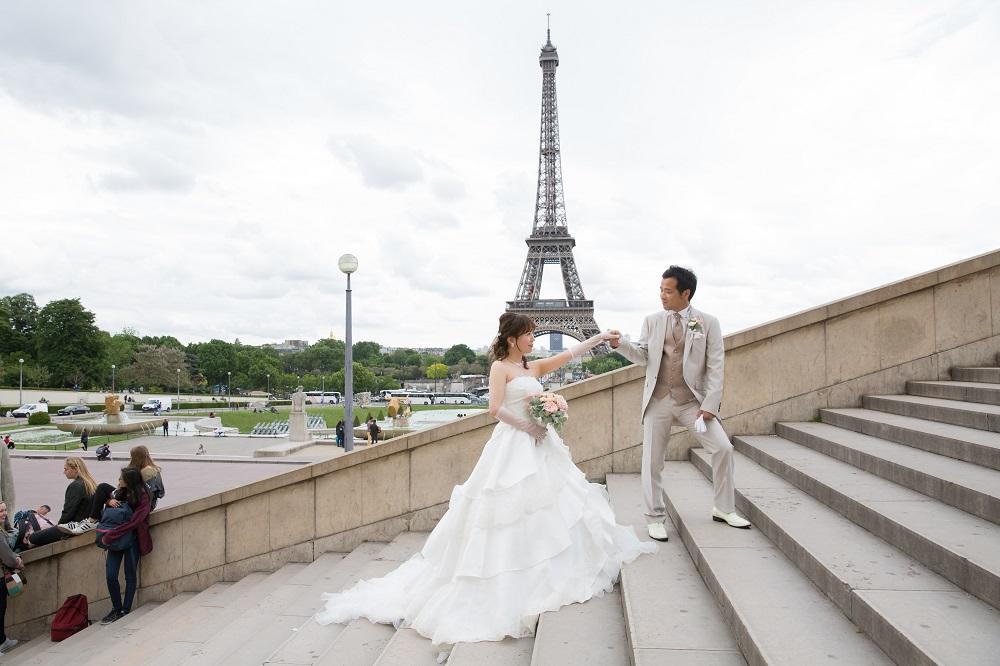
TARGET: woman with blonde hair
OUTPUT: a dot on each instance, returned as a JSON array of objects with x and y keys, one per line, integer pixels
[
  {"x": 76, "y": 505},
  {"x": 151, "y": 476}
]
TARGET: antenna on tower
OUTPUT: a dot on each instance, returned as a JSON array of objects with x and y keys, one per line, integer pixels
[{"x": 548, "y": 27}]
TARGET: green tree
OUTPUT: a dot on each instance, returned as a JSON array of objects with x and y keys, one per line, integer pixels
[
  {"x": 606, "y": 363},
  {"x": 69, "y": 343},
  {"x": 367, "y": 353},
  {"x": 364, "y": 380},
  {"x": 157, "y": 367},
  {"x": 120, "y": 348},
  {"x": 437, "y": 371},
  {"x": 459, "y": 353},
  {"x": 20, "y": 320},
  {"x": 215, "y": 359}
]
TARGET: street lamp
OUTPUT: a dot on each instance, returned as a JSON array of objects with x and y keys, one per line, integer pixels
[
  {"x": 322, "y": 390},
  {"x": 20, "y": 383},
  {"x": 112, "y": 377},
  {"x": 268, "y": 386},
  {"x": 178, "y": 388},
  {"x": 229, "y": 388},
  {"x": 348, "y": 263}
]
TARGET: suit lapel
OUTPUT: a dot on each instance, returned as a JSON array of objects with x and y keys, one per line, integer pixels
[
  {"x": 687, "y": 336},
  {"x": 659, "y": 336}
]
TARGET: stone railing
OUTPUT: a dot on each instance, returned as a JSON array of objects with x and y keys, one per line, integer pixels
[{"x": 783, "y": 370}]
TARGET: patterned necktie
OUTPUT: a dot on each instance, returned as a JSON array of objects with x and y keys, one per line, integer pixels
[{"x": 677, "y": 332}]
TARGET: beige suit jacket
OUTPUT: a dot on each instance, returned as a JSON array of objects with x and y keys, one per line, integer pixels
[{"x": 704, "y": 357}]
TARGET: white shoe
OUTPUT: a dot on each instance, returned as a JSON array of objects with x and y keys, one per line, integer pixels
[
  {"x": 731, "y": 519},
  {"x": 8, "y": 645},
  {"x": 657, "y": 531},
  {"x": 82, "y": 526}
]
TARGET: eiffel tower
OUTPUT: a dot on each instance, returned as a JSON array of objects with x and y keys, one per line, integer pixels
[{"x": 550, "y": 242}]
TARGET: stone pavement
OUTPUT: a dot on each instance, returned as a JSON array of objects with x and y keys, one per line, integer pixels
[{"x": 38, "y": 477}]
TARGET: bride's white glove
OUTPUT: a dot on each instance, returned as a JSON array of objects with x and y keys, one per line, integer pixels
[
  {"x": 581, "y": 348},
  {"x": 522, "y": 423}
]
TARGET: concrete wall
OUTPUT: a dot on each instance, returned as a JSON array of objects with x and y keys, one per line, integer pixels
[{"x": 783, "y": 370}]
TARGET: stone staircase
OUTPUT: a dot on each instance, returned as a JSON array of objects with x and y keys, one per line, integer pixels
[
  {"x": 877, "y": 536},
  {"x": 876, "y": 541}
]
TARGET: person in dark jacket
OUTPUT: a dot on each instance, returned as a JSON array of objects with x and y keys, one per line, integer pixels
[
  {"x": 84, "y": 438},
  {"x": 11, "y": 561},
  {"x": 340, "y": 433},
  {"x": 131, "y": 489},
  {"x": 76, "y": 505}
]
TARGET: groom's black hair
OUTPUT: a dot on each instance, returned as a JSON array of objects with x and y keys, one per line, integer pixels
[{"x": 686, "y": 279}]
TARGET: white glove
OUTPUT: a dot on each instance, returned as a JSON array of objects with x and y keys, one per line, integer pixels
[
  {"x": 581, "y": 348},
  {"x": 699, "y": 424},
  {"x": 522, "y": 423}
]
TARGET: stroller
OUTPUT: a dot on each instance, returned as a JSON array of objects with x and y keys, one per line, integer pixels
[{"x": 103, "y": 452}]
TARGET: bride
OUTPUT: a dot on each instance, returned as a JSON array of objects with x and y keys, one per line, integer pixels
[{"x": 525, "y": 534}]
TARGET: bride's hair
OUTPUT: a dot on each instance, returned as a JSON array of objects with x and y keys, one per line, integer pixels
[{"x": 512, "y": 325}]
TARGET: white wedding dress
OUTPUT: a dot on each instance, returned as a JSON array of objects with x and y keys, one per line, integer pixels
[{"x": 525, "y": 534}]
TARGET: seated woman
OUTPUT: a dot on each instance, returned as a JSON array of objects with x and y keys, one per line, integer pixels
[{"x": 76, "y": 505}]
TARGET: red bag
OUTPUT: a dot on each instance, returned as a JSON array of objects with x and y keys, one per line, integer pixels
[{"x": 72, "y": 616}]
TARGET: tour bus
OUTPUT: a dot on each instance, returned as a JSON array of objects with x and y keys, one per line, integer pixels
[
  {"x": 414, "y": 397},
  {"x": 452, "y": 399},
  {"x": 327, "y": 397}
]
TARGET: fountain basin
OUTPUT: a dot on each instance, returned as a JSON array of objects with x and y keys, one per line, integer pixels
[{"x": 102, "y": 427}]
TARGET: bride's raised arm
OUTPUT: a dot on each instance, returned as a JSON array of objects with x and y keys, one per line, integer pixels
[{"x": 543, "y": 366}]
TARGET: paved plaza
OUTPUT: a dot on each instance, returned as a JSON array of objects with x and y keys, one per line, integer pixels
[{"x": 229, "y": 463}]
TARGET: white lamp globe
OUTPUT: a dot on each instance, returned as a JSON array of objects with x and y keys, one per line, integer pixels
[{"x": 347, "y": 263}]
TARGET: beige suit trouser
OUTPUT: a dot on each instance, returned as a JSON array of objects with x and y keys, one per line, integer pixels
[{"x": 661, "y": 415}]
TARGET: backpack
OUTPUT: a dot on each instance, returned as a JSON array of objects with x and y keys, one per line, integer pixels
[
  {"x": 156, "y": 489},
  {"x": 26, "y": 526},
  {"x": 112, "y": 518},
  {"x": 71, "y": 617}
]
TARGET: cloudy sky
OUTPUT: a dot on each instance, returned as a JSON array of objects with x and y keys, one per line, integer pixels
[{"x": 196, "y": 168}]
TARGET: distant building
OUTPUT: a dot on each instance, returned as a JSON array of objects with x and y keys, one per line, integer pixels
[
  {"x": 288, "y": 346},
  {"x": 435, "y": 351}
]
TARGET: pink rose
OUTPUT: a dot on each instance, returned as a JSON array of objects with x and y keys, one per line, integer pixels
[
  {"x": 551, "y": 407},
  {"x": 561, "y": 401}
]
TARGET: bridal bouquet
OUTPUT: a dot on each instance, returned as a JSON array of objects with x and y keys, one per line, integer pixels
[{"x": 549, "y": 409}]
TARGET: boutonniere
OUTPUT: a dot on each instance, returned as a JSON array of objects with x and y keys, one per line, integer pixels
[{"x": 696, "y": 325}]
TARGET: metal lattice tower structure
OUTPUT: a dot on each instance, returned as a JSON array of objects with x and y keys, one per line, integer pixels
[{"x": 550, "y": 241}]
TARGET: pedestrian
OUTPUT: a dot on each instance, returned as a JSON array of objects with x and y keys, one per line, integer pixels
[
  {"x": 11, "y": 561},
  {"x": 201, "y": 448},
  {"x": 372, "y": 430},
  {"x": 76, "y": 505},
  {"x": 84, "y": 438},
  {"x": 8, "y": 442},
  {"x": 166, "y": 428},
  {"x": 340, "y": 433}
]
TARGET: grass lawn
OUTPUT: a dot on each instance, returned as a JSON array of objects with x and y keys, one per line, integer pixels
[{"x": 245, "y": 420}]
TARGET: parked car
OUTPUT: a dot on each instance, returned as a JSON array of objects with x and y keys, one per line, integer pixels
[
  {"x": 69, "y": 410},
  {"x": 30, "y": 408},
  {"x": 157, "y": 405}
]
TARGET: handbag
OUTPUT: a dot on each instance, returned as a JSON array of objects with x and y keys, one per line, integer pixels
[{"x": 15, "y": 580}]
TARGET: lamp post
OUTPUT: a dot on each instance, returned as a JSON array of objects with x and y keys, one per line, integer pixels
[
  {"x": 348, "y": 263},
  {"x": 322, "y": 391},
  {"x": 229, "y": 388},
  {"x": 20, "y": 383},
  {"x": 268, "y": 386},
  {"x": 178, "y": 388},
  {"x": 112, "y": 377}
]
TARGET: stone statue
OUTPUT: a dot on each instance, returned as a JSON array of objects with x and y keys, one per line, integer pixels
[
  {"x": 112, "y": 405},
  {"x": 298, "y": 400},
  {"x": 393, "y": 406}
]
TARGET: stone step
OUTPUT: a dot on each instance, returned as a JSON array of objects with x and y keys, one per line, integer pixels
[
  {"x": 408, "y": 648},
  {"x": 969, "y": 487},
  {"x": 94, "y": 639},
  {"x": 778, "y": 615},
  {"x": 251, "y": 636},
  {"x": 887, "y": 594},
  {"x": 361, "y": 642},
  {"x": 670, "y": 615},
  {"x": 983, "y": 375},
  {"x": 982, "y": 392},
  {"x": 508, "y": 652},
  {"x": 587, "y": 634},
  {"x": 972, "y": 445},
  {"x": 305, "y": 645},
  {"x": 196, "y": 621},
  {"x": 956, "y": 412},
  {"x": 962, "y": 548}
]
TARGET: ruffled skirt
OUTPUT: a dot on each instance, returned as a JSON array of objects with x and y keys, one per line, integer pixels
[{"x": 525, "y": 534}]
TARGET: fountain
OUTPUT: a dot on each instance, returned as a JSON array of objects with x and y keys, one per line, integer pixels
[{"x": 114, "y": 422}]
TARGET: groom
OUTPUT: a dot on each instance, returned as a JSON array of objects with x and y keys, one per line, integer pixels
[{"x": 682, "y": 350}]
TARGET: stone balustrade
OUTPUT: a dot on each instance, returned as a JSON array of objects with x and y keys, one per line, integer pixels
[{"x": 787, "y": 369}]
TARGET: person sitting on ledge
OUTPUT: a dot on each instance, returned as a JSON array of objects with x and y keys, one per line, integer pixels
[{"x": 76, "y": 505}]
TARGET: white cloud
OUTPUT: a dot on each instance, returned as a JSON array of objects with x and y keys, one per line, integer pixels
[{"x": 224, "y": 155}]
